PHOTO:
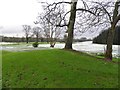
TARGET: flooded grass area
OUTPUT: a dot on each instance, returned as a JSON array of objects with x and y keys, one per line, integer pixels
[{"x": 87, "y": 47}]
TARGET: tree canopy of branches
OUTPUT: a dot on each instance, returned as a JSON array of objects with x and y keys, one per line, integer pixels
[
  {"x": 48, "y": 23},
  {"x": 107, "y": 16}
]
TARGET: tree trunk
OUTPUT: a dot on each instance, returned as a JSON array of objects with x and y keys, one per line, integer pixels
[
  {"x": 37, "y": 38},
  {"x": 47, "y": 39},
  {"x": 68, "y": 43},
  {"x": 116, "y": 18},
  {"x": 108, "y": 54},
  {"x": 27, "y": 38},
  {"x": 52, "y": 42}
]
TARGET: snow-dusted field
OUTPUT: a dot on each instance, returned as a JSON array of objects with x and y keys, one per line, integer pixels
[
  {"x": 95, "y": 48},
  {"x": 87, "y": 46}
]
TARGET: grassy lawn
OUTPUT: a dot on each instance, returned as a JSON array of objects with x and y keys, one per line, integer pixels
[
  {"x": 57, "y": 69},
  {"x": 0, "y": 69}
]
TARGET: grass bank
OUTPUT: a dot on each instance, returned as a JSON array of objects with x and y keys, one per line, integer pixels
[
  {"x": 57, "y": 69},
  {"x": 0, "y": 69}
]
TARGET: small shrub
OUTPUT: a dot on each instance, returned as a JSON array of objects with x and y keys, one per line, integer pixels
[
  {"x": 35, "y": 44},
  {"x": 101, "y": 54}
]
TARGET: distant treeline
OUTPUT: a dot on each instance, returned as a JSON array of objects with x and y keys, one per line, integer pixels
[
  {"x": 32, "y": 39},
  {"x": 102, "y": 38},
  {"x": 19, "y": 39}
]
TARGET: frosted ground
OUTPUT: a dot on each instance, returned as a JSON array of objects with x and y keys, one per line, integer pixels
[{"x": 87, "y": 46}]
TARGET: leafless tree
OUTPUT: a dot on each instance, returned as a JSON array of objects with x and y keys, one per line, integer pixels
[
  {"x": 37, "y": 32},
  {"x": 48, "y": 23},
  {"x": 71, "y": 20},
  {"x": 113, "y": 20},
  {"x": 109, "y": 16},
  {"x": 26, "y": 30}
]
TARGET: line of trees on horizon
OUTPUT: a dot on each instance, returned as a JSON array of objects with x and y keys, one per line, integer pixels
[{"x": 41, "y": 39}]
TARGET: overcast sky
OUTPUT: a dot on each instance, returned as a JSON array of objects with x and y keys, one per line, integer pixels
[{"x": 15, "y": 13}]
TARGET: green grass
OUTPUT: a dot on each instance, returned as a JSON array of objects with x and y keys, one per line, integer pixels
[
  {"x": 57, "y": 69},
  {"x": 0, "y": 69},
  {"x": 101, "y": 55}
]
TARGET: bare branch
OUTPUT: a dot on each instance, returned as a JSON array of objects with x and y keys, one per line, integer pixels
[
  {"x": 59, "y": 3},
  {"x": 85, "y": 4},
  {"x": 81, "y": 9},
  {"x": 105, "y": 10}
]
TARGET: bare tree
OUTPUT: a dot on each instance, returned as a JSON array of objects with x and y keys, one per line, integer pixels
[
  {"x": 26, "y": 29},
  {"x": 44, "y": 26},
  {"x": 108, "y": 16},
  {"x": 70, "y": 24},
  {"x": 114, "y": 20},
  {"x": 48, "y": 23},
  {"x": 37, "y": 32}
]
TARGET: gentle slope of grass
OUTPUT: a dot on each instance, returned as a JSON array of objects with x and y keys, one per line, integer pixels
[
  {"x": 0, "y": 69},
  {"x": 57, "y": 69}
]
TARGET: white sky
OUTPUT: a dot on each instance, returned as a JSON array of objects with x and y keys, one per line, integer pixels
[{"x": 17, "y": 12}]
